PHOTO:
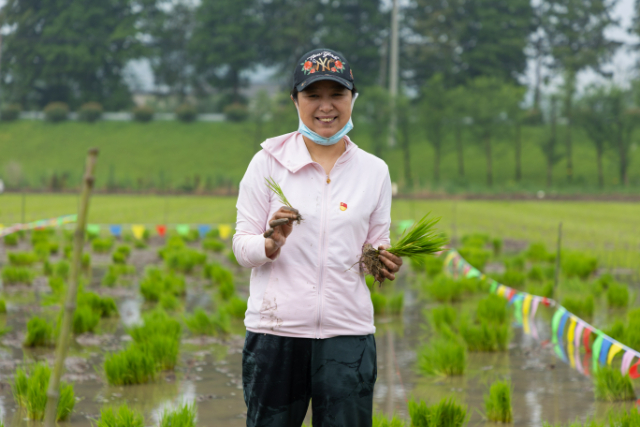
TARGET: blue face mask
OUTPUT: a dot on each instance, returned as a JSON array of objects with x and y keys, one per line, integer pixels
[{"x": 305, "y": 131}]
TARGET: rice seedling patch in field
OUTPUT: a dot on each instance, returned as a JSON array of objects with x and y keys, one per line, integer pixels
[
  {"x": 183, "y": 416},
  {"x": 30, "y": 392},
  {"x": 498, "y": 402},
  {"x": 122, "y": 416},
  {"x": 442, "y": 356},
  {"x": 611, "y": 386},
  {"x": 446, "y": 413}
]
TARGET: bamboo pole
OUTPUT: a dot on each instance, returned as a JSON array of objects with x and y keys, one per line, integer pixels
[
  {"x": 72, "y": 291},
  {"x": 557, "y": 272}
]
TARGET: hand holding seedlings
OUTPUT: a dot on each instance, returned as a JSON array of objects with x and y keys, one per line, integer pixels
[
  {"x": 281, "y": 225},
  {"x": 391, "y": 264},
  {"x": 418, "y": 242},
  {"x": 273, "y": 186}
]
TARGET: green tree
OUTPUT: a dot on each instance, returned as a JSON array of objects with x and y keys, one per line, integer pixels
[
  {"x": 574, "y": 32},
  {"x": 169, "y": 26},
  {"x": 464, "y": 40},
  {"x": 549, "y": 143},
  {"x": 490, "y": 101},
  {"x": 354, "y": 27},
  {"x": 374, "y": 109},
  {"x": 69, "y": 51},
  {"x": 225, "y": 43},
  {"x": 434, "y": 115}
]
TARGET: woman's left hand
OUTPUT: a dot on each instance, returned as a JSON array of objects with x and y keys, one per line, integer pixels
[{"x": 391, "y": 264}]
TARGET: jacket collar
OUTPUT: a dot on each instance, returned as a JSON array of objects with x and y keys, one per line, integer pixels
[{"x": 291, "y": 152}]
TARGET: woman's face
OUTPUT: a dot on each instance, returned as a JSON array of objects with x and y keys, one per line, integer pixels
[{"x": 325, "y": 107}]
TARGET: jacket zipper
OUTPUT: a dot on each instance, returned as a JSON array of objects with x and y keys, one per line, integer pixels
[{"x": 322, "y": 254}]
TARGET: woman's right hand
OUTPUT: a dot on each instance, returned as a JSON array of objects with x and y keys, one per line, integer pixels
[{"x": 282, "y": 224}]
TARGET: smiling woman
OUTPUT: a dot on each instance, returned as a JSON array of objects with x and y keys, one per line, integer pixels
[{"x": 308, "y": 310}]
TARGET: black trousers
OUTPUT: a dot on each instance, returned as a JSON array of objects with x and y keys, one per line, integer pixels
[{"x": 281, "y": 374}]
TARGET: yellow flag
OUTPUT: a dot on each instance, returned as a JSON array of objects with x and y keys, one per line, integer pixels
[
  {"x": 615, "y": 349},
  {"x": 138, "y": 231},
  {"x": 572, "y": 330},
  {"x": 526, "y": 306},
  {"x": 449, "y": 257},
  {"x": 501, "y": 290},
  {"x": 225, "y": 230}
]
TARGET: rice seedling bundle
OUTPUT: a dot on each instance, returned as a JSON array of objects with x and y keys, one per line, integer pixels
[
  {"x": 477, "y": 240},
  {"x": 537, "y": 252},
  {"x": 156, "y": 283},
  {"x": 218, "y": 274},
  {"x": 11, "y": 240},
  {"x": 227, "y": 290},
  {"x": 183, "y": 260},
  {"x": 104, "y": 306},
  {"x": 445, "y": 289},
  {"x": 513, "y": 278},
  {"x": 118, "y": 258},
  {"x": 616, "y": 330},
  {"x": 214, "y": 245},
  {"x": 617, "y": 295},
  {"x": 61, "y": 269},
  {"x": 169, "y": 302},
  {"x": 273, "y": 186},
  {"x": 39, "y": 333},
  {"x": 199, "y": 323},
  {"x": 183, "y": 416},
  {"x": 122, "y": 416},
  {"x": 446, "y": 413},
  {"x": 443, "y": 316},
  {"x": 22, "y": 259},
  {"x": 545, "y": 290},
  {"x": 101, "y": 245},
  {"x": 498, "y": 402},
  {"x": 12, "y": 275},
  {"x": 156, "y": 323},
  {"x": 486, "y": 336},
  {"x": 536, "y": 274},
  {"x": 493, "y": 308},
  {"x": 85, "y": 319},
  {"x": 575, "y": 264},
  {"x": 379, "y": 420},
  {"x": 129, "y": 366},
  {"x": 29, "y": 390},
  {"x": 443, "y": 357},
  {"x": 236, "y": 307},
  {"x": 611, "y": 386},
  {"x": 625, "y": 418},
  {"x": 163, "y": 349}
]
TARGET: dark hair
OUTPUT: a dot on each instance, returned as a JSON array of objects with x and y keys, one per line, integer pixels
[{"x": 294, "y": 92}]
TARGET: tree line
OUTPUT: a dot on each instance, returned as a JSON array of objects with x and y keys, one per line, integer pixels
[{"x": 463, "y": 62}]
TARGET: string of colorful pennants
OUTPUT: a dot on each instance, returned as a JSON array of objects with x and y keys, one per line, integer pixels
[
  {"x": 40, "y": 224},
  {"x": 138, "y": 230},
  {"x": 578, "y": 333}
]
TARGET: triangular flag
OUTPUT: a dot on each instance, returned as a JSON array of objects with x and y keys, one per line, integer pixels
[
  {"x": 626, "y": 362},
  {"x": 615, "y": 349},
  {"x": 578, "y": 333},
  {"x": 634, "y": 371},
  {"x": 183, "y": 229},
  {"x": 534, "y": 306},
  {"x": 555, "y": 323},
  {"x": 597, "y": 346},
  {"x": 225, "y": 231},
  {"x": 93, "y": 228},
  {"x": 450, "y": 256},
  {"x": 512, "y": 293},
  {"x": 604, "y": 351},
  {"x": 563, "y": 323},
  {"x": 493, "y": 287},
  {"x": 138, "y": 231},
  {"x": 586, "y": 340},
  {"x": 517, "y": 308},
  {"x": 203, "y": 229},
  {"x": 116, "y": 230},
  {"x": 571, "y": 331},
  {"x": 161, "y": 230},
  {"x": 570, "y": 352},
  {"x": 501, "y": 290},
  {"x": 560, "y": 351}
]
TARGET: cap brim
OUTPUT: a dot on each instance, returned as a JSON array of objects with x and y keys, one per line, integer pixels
[{"x": 308, "y": 82}]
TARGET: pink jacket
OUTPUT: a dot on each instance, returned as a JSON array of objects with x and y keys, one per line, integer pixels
[{"x": 312, "y": 289}]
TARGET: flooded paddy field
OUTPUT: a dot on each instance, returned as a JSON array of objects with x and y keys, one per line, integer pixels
[{"x": 545, "y": 388}]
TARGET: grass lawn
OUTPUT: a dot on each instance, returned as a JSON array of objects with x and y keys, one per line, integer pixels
[
  {"x": 175, "y": 155},
  {"x": 609, "y": 230}
]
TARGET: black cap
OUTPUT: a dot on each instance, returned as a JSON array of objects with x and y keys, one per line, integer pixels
[{"x": 322, "y": 64}]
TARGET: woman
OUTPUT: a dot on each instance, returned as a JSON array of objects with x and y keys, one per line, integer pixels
[{"x": 310, "y": 319}]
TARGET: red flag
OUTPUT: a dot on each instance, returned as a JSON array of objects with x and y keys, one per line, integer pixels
[
  {"x": 633, "y": 372},
  {"x": 161, "y": 229},
  {"x": 545, "y": 301},
  {"x": 512, "y": 293},
  {"x": 586, "y": 340}
]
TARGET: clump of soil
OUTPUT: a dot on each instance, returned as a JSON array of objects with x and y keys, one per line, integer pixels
[{"x": 370, "y": 261}]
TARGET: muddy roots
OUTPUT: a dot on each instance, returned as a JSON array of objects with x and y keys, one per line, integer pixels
[{"x": 370, "y": 261}]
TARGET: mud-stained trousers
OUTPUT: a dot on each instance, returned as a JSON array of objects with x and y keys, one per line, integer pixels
[{"x": 281, "y": 374}]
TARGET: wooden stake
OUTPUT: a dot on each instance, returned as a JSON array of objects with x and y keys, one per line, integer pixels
[
  {"x": 557, "y": 272},
  {"x": 72, "y": 292}
]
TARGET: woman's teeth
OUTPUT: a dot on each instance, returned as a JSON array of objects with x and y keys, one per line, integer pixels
[{"x": 327, "y": 120}]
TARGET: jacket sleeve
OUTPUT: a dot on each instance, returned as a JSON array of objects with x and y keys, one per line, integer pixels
[
  {"x": 253, "y": 213},
  {"x": 380, "y": 219}
]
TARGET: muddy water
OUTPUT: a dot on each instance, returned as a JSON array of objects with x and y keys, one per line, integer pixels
[{"x": 209, "y": 371}]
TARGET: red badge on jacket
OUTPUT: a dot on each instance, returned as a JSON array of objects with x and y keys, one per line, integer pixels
[{"x": 343, "y": 206}]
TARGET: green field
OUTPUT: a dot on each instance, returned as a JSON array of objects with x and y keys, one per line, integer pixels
[
  {"x": 213, "y": 156},
  {"x": 609, "y": 230}
]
